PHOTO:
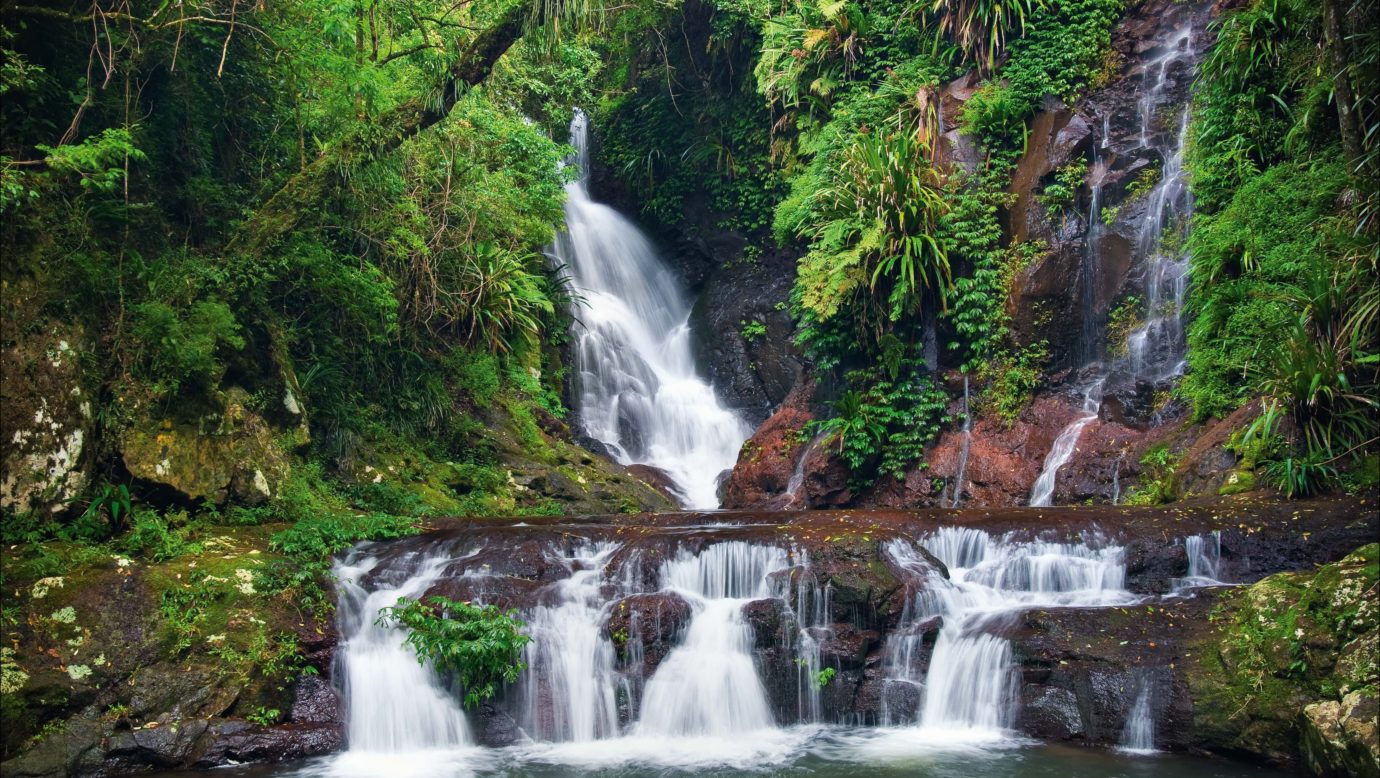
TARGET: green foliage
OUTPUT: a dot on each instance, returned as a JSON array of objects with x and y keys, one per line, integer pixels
[
  {"x": 1156, "y": 484},
  {"x": 106, "y": 514},
  {"x": 264, "y": 716},
  {"x": 980, "y": 27},
  {"x": 182, "y": 349},
  {"x": 1010, "y": 378},
  {"x": 1276, "y": 231},
  {"x": 883, "y": 425},
  {"x": 752, "y": 330},
  {"x": 1122, "y": 320},
  {"x": 156, "y": 537},
  {"x": 878, "y": 225},
  {"x": 1060, "y": 193},
  {"x": 320, "y": 531},
  {"x": 481, "y": 645},
  {"x": 996, "y": 114}
]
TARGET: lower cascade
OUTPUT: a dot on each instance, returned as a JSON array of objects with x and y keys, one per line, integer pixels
[{"x": 752, "y": 639}]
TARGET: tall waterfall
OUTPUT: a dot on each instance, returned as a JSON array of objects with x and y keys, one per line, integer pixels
[
  {"x": 1154, "y": 351},
  {"x": 639, "y": 391}
]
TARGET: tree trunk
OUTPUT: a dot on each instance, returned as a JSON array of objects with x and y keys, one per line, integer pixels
[
  {"x": 304, "y": 192},
  {"x": 1335, "y": 41}
]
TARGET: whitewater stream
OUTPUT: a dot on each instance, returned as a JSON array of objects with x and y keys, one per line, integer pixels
[
  {"x": 586, "y": 705},
  {"x": 639, "y": 391},
  {"x": 1154, "y": 349}
]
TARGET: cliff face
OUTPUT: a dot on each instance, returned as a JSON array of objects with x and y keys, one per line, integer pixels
[{"x": 1001, "y": 459}]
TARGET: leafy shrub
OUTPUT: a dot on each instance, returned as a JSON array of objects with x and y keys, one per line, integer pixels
[
  {"x": 996, "y": 114},
  {"x": 181, "y": 347},
  {"x": 1157, "y": 477},
  {"x": 883, "y": 425},
  {"x": 152, "y": 536},
  {"x": 480, "y": 644}
]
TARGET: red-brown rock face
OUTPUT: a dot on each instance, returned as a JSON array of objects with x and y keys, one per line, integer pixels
[{"x": 768, "y": 459}]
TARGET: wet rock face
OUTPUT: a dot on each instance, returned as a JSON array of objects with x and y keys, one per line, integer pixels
[
  {"x": 645, "y": 628},
  {"x": 768, "y": 461},
  {"x": 743, "y": 326},
  {"x": 1082, "y": 670},
  {"x": 46, "y": 418}
]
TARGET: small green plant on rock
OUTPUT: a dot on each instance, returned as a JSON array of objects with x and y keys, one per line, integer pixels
[
  {"x": 1157, "y": 477},
  {"x": 1061, "y": 193},
  {"x": 752, "y": 330}
]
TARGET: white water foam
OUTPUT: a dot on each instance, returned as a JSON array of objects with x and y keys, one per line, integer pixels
[{"x": 639, "y": 390}]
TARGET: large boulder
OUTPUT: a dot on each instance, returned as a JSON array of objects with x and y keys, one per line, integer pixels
[
  {"x": 46, "y": 415},
  {"x": 771, "y": 458},
  {"x": 1340, "y": 736},
  {"x": 646, "y": 627},
  {"x": 230, "y": 454}
]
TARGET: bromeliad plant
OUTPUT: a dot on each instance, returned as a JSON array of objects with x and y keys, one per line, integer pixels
[
  {"x": 479, "y": 643},
  {"x": 875, "y": 245}
]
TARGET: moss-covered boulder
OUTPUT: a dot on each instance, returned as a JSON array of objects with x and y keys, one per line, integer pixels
[
  {"x": 1289, "y": 672},
  {"x": 222, "y": 455},
  {"x": 46, "y": 415},
  {"x": 1340, "y": 738}
]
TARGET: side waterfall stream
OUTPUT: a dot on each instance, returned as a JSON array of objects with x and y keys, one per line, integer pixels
[{"x": 1154, "y": 350}]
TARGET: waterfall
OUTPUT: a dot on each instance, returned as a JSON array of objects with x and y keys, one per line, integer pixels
[
  {"x": 1204, "y": 561},
  {"x": 400, "y": 717},
  {"x": 956, "y": 496},
  {"x": 708, "y": 685},
  {"x": 793, "y": 500},
  {"x": 1042, "y": 494},
  {"x": 1138, "y": 736},
  {"x": 639, "y": 391},
  {"x": 570, "y": 659},
  {"x": 970, "y": 689},
  {"x": 1154, "y": 351}
]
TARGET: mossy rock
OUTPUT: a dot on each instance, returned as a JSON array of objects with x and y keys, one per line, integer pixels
[
  {"x": 1238, "y": 481},
  {"x": 233, "y": 454},
  {"x": 1278, "y": 675},
  {"x": 46, "y": 418}
]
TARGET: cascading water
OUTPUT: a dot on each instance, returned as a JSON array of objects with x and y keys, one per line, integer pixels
[
  {"x": 1204, "y": 554},
  {"x": 570, "y": 660},
  {"x": 969, "y": 692},
  {"x": 1042, "y": 494},
  {"x": 708, "y": 684},
  {"x": 794, "y": 500},
  {"x": 400, "y": 717},
  {"x": 1154, "y": 350},
  {"x": 639, "y": 390},
  {"x": 1138, "y": 736}
]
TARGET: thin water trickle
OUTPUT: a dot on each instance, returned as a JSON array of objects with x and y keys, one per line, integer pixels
[
  {"x": 1138, "y": 736},
  {"x": 1152, "y": 351},
  {"x": 640, "y": 392},
  {"x": 965, "y": 445}
]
